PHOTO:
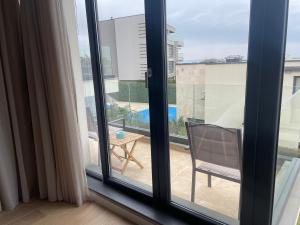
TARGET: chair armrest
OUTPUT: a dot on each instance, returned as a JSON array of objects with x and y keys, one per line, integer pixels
[
  {"x": 116, "y": 120},
  {"x": 113, "y": 122}
]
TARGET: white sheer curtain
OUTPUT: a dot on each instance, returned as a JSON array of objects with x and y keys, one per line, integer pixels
[{"x": 42, "y": 150}]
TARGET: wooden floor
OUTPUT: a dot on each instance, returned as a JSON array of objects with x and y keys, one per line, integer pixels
[{"x": 45, "y": 213}]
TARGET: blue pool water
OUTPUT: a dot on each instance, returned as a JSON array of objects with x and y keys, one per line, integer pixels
[{"x": 144, "y": 117}]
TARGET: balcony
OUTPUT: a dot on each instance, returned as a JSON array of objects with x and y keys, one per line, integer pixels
[
  {"x": 222, "y": 103},
  {"x": 181, "y": 178}
]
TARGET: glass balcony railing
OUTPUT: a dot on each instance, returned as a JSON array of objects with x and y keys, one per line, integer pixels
[
  {"x": 211, "y": 103},
  {"x": 217, "y": 104}
]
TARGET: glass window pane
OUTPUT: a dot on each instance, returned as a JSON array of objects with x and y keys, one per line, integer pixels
[
  {"x": 124, "y": 62},
  {"x": 206, "y": 103},
  {"x": 287, "y": 184},
  {"x": 92, "y": 156}
]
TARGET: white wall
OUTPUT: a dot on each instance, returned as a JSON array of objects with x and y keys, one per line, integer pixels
[
  {"x": 108, "y": 40},
  {"x": 289, "y": 133},
  {"x": 131, "y": 47},
  {"x": 190, "y": 80},
  {"x": 126, "y": 38},
  {"x": 224, "y": 87},
  {"x": 225, "y": 94}
]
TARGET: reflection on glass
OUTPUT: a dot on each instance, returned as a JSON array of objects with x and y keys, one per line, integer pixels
[
  {"x": 92, "y": 156},
  {"x": 90, "y": 103},
  {"x": 106, "y": 61},
  {"x": 206, "y": 103},
  {"x": 287, "y": 184},
  {"x": 124, "y": 63}
]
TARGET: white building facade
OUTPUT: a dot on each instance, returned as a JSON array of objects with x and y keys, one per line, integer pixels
[{"x": 124, "y": 50}]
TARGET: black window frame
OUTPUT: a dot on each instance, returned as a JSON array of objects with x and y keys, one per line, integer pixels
[{"x": 266, "y": 48}]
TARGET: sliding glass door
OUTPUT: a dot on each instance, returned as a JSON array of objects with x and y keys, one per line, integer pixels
[
  {"x": 287, "y": 179},
  {"x": 207, "y": 59},
  {"x": 187, "y": 96},
  {"x": 125, "y": 102}
]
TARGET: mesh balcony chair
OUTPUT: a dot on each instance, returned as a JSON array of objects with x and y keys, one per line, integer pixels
[
  {"x": 218, "y": 149},
  {"x": 113, "y": 127}
]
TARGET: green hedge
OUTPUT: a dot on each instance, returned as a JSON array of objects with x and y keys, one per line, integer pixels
[{"x": 138, "y": 92}]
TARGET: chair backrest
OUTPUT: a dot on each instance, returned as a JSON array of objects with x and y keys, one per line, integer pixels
[
  {"x": 214, "y": 144},
  {"x": 92, "y": 126}
]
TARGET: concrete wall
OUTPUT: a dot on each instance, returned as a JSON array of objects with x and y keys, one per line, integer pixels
[
  {"x": 212, "y": 92},
  {"x": 225, "y": 94},
  {"x": 190, "y": 80},
  {"x": 223, "y": 87},
  {"x": 289, "y": 133}
]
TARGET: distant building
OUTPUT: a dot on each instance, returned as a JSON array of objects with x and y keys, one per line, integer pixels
[
  {"x": 213, "y": 61},
  {"x": 124, "y": 51},
  {"x": 86, "y": 68},
  {"x": 234, "y": 59},
  {"x": 231, "y": 59}
]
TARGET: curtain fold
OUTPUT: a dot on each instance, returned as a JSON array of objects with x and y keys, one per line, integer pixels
[
  {"x": 8, "y": 173},
  {"x": 46, "y": 44},
  {"x": 14, "y": 85},
  {"x": 41, "y": 151}
]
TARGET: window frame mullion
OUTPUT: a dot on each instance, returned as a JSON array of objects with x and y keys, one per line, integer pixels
[
  {"x": 156, "y": 40},
  {"x": 266, "y": 49},
  {"x": 99, "y": 87}
]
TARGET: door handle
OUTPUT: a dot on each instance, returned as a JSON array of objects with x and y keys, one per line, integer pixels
[
  {"x": 148, "y": 74},
  {"x": 146, "y": 79}
]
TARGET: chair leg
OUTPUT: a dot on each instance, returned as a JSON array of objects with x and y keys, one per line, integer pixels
[
  {"x": 193, "y": 186},
  {"x": 208, "y": 180},
  {"x": 99, "y": 158}
]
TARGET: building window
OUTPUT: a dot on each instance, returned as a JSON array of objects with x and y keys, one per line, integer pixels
[
  {"x": 86, "y": 68},
  {"x": 171, "y": 51},
  {"x": 171, "y": 67},
  {"x": 106, "y": 61},
  {"x": 296, "y": 86}
]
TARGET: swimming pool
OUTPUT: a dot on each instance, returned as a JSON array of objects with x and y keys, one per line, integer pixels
[{"x": 144, "y": 117}]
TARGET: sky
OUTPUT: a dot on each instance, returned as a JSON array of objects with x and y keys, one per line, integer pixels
[{"x": 209, "y": 29}]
